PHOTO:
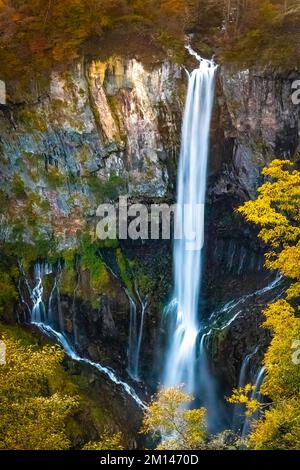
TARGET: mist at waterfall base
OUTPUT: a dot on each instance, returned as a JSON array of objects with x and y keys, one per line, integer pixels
[{"x": 186, "y": 361}]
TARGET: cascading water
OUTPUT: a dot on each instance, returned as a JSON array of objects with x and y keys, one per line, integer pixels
[
  {"x": 45, "y": 319},
  {"x": 256, "y": 395},
  {"x": 239, "y": 411},
  {"x": 181, "y": 358},
  {"x": 70, "y": 351},
  {"x": 39, "y": 311},
  {"x": 231, "y": 310},
  {"x": 136, "y": 330},
  {"x": 207, "y": 385},
  {"x": 132, "y": 340},
  {"x": 54, "y": 305},
  {"x": 140, "y": 336}
]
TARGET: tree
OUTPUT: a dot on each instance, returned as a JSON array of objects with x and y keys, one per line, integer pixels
[
  {"x": 280, "y": 426},
  {"x": 33, "y": 411},
  {"x": 277, "y": 212},
  {"x": 107, "y": 442},
  {"x": 179, "y": 428}
]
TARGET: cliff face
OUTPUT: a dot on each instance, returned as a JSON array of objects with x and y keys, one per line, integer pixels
[
  {"x": 261, "y": 119},
  {"x": 98, "y": 131},
  {"x": 255, "y": 122},
  {"x": 113, "y": 121},
  {"x": 104, "y": 129}
]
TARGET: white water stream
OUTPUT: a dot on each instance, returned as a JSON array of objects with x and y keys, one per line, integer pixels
[{"x": 192, "y": 172}]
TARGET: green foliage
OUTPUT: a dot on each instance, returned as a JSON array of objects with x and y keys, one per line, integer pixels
[
  {"x": 90, "y": 260},
  {"x": 32, "y": 120},
  {"x": 106, "y": 190},
  {"x": 26, "y": 222},
  {"x": 145, "y": 282},
  {"x": 18, "y": 186},
  {"x": 41, "y": 248},
  {"x": 109, "y": 243},
  {"x": 8, "y": 292},
  {"x": 124, "y": 270},
  {"x": 54, "y": 177}
]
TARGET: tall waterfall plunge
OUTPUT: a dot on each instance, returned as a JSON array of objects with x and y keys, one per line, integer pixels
[{"x": 183, "y": 309}]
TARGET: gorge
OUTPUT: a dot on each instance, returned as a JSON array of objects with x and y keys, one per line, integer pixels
[
  {"x": 124, "y": 320},
  {"x": 135, "y": 316}
]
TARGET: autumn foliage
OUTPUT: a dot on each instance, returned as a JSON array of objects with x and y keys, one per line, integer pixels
[
  {"x": 277, "y": 212},
  {"x": 38, "y": 35}
]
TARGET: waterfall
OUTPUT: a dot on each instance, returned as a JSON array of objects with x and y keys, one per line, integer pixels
[
  {"x": 238, "y": 421},
  {"x": 140, "y": 336},
  {"x": 229, "y": 309},
  {"x": 207, "y": 385},
  {"x": 181, "y": 357},
  {"x": 54, "y": 304},
  {"x": 136, "y": 330},
  {"x": 132, "y": 339},
  {"x": 256, "y": 395},
  {"x": 39, "y": 312},
  {"x": 70, "y": 351},
  {"x": 45, "y": 319}
]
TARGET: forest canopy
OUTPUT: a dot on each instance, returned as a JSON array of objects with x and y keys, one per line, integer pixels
[{"x": 38, "y": 35}]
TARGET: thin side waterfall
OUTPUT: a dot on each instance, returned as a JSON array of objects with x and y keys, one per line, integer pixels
[
  {"x": 140, "y": 336},
  {"x": 206, "y": 382},
  {"x": 54, "y": 305},
  {"x": 229, "y": 309},
  {"x": 238, "y": 414},
  {"x": 136, "y": 330},
  {"x": 192, "y": 173},
  {"x": 132, "y": 339},
  {"x": 70, "y": 351},
  {"x": 256, "y": 395},
  {"x": 39, "y": 311},
  {"x": 45, "y": 319}
]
